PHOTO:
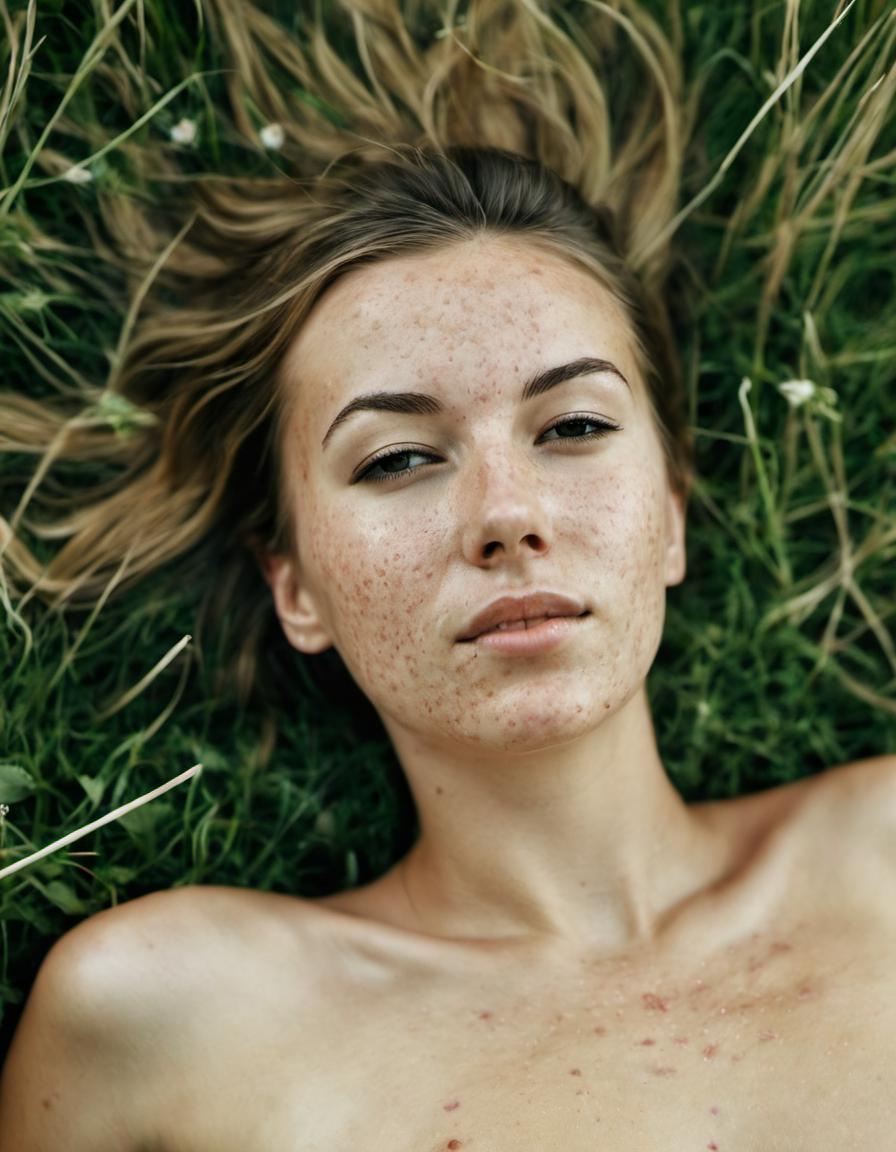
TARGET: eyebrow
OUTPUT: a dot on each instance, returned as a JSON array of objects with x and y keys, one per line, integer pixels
[{"x": 420, "y": 404}]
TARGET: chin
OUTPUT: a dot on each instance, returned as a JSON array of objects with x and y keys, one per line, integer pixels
[{"x": 531, "y": 727}]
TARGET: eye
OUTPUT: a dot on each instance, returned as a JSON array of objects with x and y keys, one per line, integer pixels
[
  {"x": 395, "y": 465},
  {"x": 570, "y": 428},
  {"x": 392, "y": 466}
]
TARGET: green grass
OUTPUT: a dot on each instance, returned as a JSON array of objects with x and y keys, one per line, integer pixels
[{"x": 778, "y": 658}]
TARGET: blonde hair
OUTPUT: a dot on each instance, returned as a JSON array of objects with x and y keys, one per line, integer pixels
[{"x": 500, "y": 123}]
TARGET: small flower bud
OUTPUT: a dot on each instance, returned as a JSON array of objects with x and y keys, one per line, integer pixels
[
  {"x": 77, "y": 175},
  {"x": 272, "y": 137},
  {"x": 184, "y": 131},
  {"x": 797, "y": 392}
]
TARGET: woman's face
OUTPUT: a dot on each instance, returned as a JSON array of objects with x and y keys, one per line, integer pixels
[{"x": 484, "y": 498}]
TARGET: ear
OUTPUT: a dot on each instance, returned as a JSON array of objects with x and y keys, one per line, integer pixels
[
  {"x": 676, "y": 556},
  {"x": 294, "y": 604}
]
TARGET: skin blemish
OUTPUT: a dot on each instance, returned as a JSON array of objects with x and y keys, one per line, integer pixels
[
  {"x": 680, "y": 1040},
  {"x": 654, "y": 1003},
  {"x": 663, "y": 1070},
  {"x": 768, "y": 1036},
  {"x": 450, "y": 1107},
  {"x": 485, "y": 1015},
  {"x": 646, "y": 1043},
  {"x": 778, "y": 947},
  {"x": 709, "y": 1051},
  {"x": 712, "y": 1145},
  {"x": 600, "y": 1030},
  {"x": 714, "y": 1111},
  {"x": 455, "y": 1144},
  {"x": 575, "y": 1071}
]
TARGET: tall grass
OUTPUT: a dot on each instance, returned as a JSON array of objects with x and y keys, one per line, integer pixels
[{"x": 778, "y": 658}]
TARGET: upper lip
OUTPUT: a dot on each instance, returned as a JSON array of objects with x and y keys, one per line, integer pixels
[{"x": 526, "y": 607}]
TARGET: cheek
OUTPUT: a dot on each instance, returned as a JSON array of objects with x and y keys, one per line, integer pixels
[
  {"x": 373, "y": 581},
  {"x": 623, "y": 522}
]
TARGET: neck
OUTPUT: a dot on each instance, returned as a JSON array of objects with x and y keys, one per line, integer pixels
[{"x": 582, "y": 846}]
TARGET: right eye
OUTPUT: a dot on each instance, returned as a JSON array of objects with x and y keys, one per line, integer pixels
[{"x": 391, "y": 465}]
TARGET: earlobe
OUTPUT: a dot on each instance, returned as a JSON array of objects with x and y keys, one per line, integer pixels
[{"x": 294, "y": 604}]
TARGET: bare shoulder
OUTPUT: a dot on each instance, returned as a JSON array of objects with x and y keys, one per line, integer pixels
[
  {"x": 862, "y": 795},
  {"x": 851, "y": 827},
  {"x": 125, "y": 1001},
  {"x": 92, "y": 1022},
  {"x": 182, "y": 944}
]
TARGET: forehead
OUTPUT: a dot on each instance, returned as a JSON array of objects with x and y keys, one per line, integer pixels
[{"x": 489, "y": 309}]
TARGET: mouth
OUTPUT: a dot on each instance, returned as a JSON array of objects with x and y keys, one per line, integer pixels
[{"x": 523, "y": 625}]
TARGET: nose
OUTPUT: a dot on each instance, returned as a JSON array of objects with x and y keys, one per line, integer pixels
[{"x": 504, "y": 518}]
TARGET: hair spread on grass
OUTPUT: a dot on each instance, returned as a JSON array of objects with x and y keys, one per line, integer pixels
[{"x": 507, "y": 119}]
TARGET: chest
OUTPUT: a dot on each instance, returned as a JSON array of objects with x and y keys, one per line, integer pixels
[{"x": 780, "y": 1043}]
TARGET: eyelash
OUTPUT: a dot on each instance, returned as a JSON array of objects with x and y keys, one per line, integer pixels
[{"x": 604, "y": 428}]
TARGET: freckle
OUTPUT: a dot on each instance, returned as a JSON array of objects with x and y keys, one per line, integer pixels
[
  {"x": 710, "y": 1050},
  {"x": 455, "y": 1144},
  {"x": 485, "y": 1015},
  {"x": 779, "y": 947},
  {"x": 664, "y": 1070},
  {"x": 805, "y": 990},
  {"x": 646, "y": 1043},
  {"x": 600, "y": 1030},
  {"x": 438, "y": 791},
  {"x": 575, "y": 1071},
  {"x": 46, "y": 1103},
  {"x": 714, "y": 1111},
  {"x": 450, "y": 1107}
]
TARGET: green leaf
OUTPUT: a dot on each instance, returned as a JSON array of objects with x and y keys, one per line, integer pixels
[
  {"x": 65, "y": 897},
  {"x": 15, "y": 783},
  {"x": 94, "y": 787}
]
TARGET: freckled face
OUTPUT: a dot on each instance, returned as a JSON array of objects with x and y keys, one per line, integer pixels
[{"x": 486, "y": 498}]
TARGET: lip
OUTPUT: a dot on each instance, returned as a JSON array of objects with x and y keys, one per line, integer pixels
[{"x": 529, "y": 606}]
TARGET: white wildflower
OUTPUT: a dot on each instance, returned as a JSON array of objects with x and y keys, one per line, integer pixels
[
  {"x": 272, "y": 137},
  {"x": 184, "y": 131},
  {"x": 797, "y": 392},
  {"x": 77, "y": 175}
]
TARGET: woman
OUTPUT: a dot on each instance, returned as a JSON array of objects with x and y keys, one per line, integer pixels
[{"x": 458, "y": 376}]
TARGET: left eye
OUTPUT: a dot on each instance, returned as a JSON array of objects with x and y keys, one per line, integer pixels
[
  {"x": 396, "y": 465},
  {"x": 603, "y": 428}
]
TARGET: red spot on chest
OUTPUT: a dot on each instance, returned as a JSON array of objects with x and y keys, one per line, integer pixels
[
  {"x": 450, "y": 1107},
  {"x": 654, "y": 1003}
]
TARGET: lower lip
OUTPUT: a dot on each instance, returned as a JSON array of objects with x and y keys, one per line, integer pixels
[{"x": 542, "y": 638}]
